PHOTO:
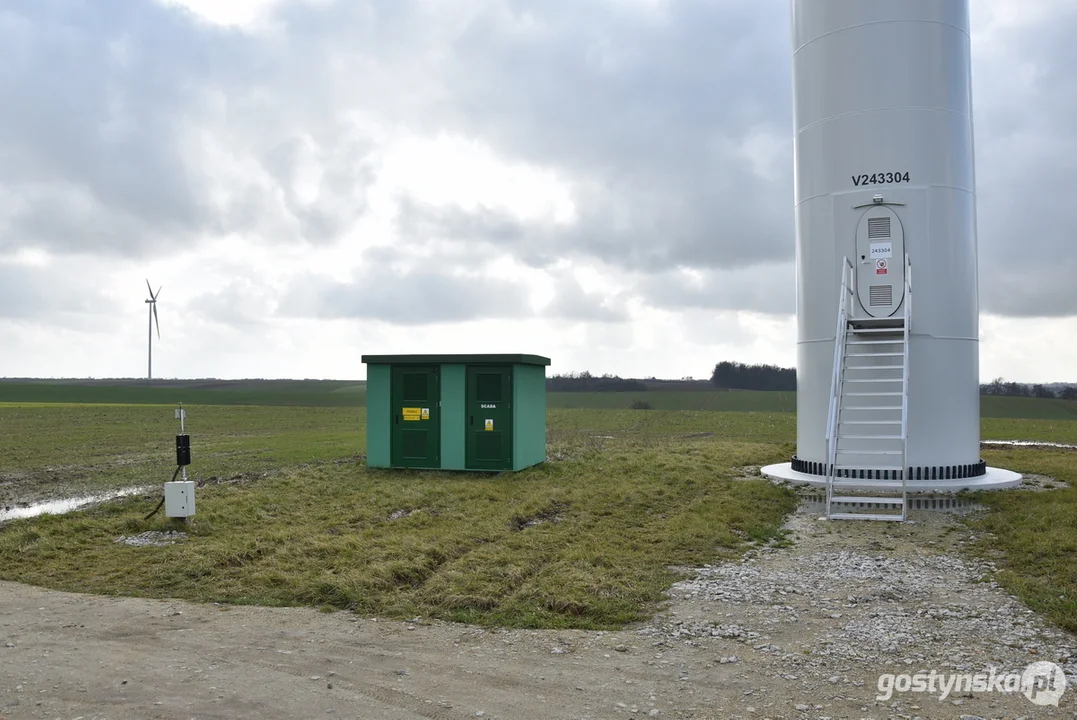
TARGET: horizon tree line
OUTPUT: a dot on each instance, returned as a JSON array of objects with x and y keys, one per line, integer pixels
[{"x": 731, "y": 375}]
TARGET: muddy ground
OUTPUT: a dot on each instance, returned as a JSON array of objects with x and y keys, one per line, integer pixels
[{"x": 799, "y": 632}]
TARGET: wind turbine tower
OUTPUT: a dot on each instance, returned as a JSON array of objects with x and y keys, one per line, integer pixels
[{"x": 152, "y": 302}]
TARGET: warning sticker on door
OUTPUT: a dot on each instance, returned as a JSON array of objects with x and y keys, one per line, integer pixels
[
  {"x": 882, "y": 250},
  {"x": 489, "y": 424},
  {"x": 412, "y": 413},
  {"x": 426, "y": 413},
  {"x": 880, "y": 267}
]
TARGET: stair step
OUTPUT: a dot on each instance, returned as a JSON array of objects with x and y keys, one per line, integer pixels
[
  {"x": 870, "y": 437},
  {"x": 875, "y": 342},
  {"x": 872, "y": 380},
  {"x": 874, "y": 469},
  {"x": 847, "y": 451},
  {"x": 868, "y": 422},
  {"x": 874, "y": 355},
  {"x": 874, "y": 367},
  {"x": 876, "y": 322},
  {"x": 872, "y": 394},
  {"x": 878, "y": 330},
  {"x": 854, "y": 487},
  {"x": 871, "y": 407},
  {"x": 851, "y": 499},
  {"x": 864, "y": 516}
]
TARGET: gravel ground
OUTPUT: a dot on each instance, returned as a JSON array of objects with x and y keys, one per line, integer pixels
[
  {"x": 798, "y": 632},
  {"x": 854, "y": 600}
]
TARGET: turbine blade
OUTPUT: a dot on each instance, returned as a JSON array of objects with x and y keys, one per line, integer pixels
[
  {"x": 150, "y": 289},
  {"x": 155, "y": 320},
  {"x": 158, "y": 292}
]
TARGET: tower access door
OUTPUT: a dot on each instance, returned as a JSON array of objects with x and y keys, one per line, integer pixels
[
  {"x": 416, "y": 429},
  {"x": 880, "y": 250},
  {"x": 489, "y": 418}
]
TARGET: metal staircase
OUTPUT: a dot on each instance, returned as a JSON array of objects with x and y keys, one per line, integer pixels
[{"x": 867, "y": 424}]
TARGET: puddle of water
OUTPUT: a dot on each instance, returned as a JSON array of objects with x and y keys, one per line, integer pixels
[
  {"x": 65, "y": 505},
  {"x": 1029, "y": 443}
]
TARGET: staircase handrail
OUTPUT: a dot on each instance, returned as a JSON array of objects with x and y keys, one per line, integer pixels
[
  {"x": 848, "y": 278},
  {"x": 905, "y": 469}
]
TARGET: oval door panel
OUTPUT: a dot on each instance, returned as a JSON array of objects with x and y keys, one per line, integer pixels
[{"x": 880, "y": 253}]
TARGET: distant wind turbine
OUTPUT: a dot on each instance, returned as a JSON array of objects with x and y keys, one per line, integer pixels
[{"x": 152, "y": 319}]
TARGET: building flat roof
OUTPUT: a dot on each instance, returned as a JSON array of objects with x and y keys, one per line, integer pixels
[{"x": 465, "y": 359}]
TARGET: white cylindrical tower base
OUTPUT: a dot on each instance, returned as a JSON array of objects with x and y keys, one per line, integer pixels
[{"x": 883, "y": 121}]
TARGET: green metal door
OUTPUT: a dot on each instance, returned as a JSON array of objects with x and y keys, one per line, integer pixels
[
  {"x": 489, "y": 418},
  {"x": 416, "y": 440}
]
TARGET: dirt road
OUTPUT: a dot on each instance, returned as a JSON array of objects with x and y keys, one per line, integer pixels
[{"x": 802, "y": 632}]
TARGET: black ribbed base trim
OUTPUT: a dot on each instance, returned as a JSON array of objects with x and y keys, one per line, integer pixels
[{"x": 933, "y": 472}]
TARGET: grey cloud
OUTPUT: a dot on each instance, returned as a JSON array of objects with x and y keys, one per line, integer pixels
[
  {"x": 1042, "y": 291},
  {"x": 1025, "y": 97},
  {"x": 406, "y": 298},
  {"x": 767, "y": 288},
  {"x": 651, "y": 122},
  {"x": 575, "y": 303},
  {"x": 657, "y": 231},
  {"x": 671, "y": 127},
  {"x": 447, "y": 285},
  {"x": 239, "y": 304},
  {"x": 645, "y": 118},
  {"x": 347, "y": 171},
  {"x": 422, "y": 223},
  {"x": 109, "y": 107},
  {"x": 37, "y": 294},
  {"x": 94, "y": 97}
]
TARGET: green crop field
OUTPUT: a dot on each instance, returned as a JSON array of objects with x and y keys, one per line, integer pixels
[
  {"x": 298, "y": 393},
  {"x": 759, "y": 401},
  {"x": 721, "y": 400},
  {"x": 350, "y": 393},
  {"x": 994, "y": 406},
  {"x": 288, "y": 514}
]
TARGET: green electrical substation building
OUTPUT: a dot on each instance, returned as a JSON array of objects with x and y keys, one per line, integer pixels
[{"x": 456, "y": 412}]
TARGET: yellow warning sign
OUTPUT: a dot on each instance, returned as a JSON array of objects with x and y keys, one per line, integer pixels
[
  {"x": 489, "y": 424},
  {"x": 412, "y": 414},
  {"x": 426, "y": 413}
]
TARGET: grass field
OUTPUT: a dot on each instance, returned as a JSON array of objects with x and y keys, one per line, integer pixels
[
  {"x": 1032, "y": 536},
  {"x": 337, "y": 393},
  {"x": 289, "y": 514},
  {"x": 587, "y": 540}
]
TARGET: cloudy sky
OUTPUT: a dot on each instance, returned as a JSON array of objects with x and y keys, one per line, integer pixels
[{"x": 606, "y": 182}]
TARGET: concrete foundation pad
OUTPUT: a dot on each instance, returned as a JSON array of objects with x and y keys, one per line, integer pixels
[{"x": 994, "y": 479}]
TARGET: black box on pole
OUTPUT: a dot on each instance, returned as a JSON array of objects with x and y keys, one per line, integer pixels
[{"x": 183, "y": 449}]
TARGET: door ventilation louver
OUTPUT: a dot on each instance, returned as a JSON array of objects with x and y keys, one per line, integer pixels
[
  {"x": 878, "y": 228},
  {"x": 881, "y": 295}
]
